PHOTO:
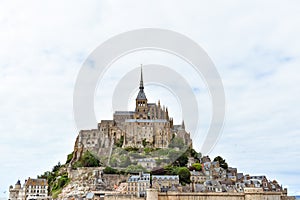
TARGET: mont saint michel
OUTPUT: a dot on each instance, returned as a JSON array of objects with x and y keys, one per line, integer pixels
[
  {"x": 149, "y": 125},
  {"x": 142, "y": 154}
]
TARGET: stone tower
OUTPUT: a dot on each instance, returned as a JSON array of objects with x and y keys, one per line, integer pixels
[{"x": 141, "y": 102}]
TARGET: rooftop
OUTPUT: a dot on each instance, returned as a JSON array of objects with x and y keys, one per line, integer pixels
[
  {"x": 146, "y": 120},
  {"x": 40, "y": 182}
]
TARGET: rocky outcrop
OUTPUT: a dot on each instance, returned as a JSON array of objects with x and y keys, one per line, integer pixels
[{"x": 84, "y": 180}]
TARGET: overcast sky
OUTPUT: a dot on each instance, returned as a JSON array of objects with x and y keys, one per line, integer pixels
[{"x": 254, "y": 44}]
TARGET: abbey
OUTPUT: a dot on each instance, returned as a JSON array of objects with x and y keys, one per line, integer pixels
[{"x": 149, "y": 125}]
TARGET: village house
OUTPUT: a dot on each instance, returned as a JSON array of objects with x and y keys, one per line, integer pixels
[
  {"x": 213, "y": 186},
  {"x": 33, "y": 189},
  {"x": 137, "y": 184},
  {"x": 197, "y": 177},
  {"x": 164, "y": 182}
]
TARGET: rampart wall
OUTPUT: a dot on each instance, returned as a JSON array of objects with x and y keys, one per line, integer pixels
[{"x": 251, "y": 195}]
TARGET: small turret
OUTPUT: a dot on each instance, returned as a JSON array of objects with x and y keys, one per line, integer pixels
[
  {"x": 182, "y": 125},
  {"x": 18, "y": 185},
  {"x": 167, "y": 114},
  {"x": 171, "y": 122}
]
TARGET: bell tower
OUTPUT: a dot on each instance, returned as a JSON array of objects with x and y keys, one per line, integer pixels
[{"x": 141, "y": 102}]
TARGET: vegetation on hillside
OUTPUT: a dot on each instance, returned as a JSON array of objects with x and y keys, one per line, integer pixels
[
  {"x": 119, "y": 143},
  {"x": 57, "y": 179},
  {"x": 173, "y": 159},
  {"x": 123, "y": 161},
  {"x": 69, "y": 158},
  {"x": 87, "y": 160}
]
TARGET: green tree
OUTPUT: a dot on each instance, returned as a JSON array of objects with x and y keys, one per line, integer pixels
[
  {"x": 197, "y": 166},
  {"x": 87, "y": 160},
  {"x": 69, "y": 158},
  {"x": 184, "y": 175},
  {"x": 193, "y": 153},
  {"x": 222, "y": 162},
  {"x": 168, "y": 169},
  {"x": 56, "y": 167},
  {"x": 199, "y": 156},
  {"x": 110, "y": 170},
  {"x": 182, "y": 160}
]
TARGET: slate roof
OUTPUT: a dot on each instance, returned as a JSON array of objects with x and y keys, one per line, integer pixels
[
  {"x": 146, "y": 120},
  {"x": 141, "y": 95},
  {"x": 40, "y": 182},
  {"x": 124, "y": 112},
  {"x": 168, "y": 177}
]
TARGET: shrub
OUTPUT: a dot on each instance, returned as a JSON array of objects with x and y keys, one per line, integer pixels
[
  {"x": 222, "y": 162},
  {"x": 197, "y": 166},
  {"x": 69, "y": 158},
  {"x": 184, "y": 175},
  {"x": 87, "y": 160},
  {"x": 135, "y": 149},
  {"x": 119, "y": 143},
  {"x": 147, "y": 150},
  {"x": 59, "y": 185},
  {"x": 110, "y": 170}
]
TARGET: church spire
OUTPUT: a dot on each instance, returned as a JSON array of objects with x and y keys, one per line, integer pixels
[
  {"x": 141, "y": 94},
  {"x": 141, "y": 81}
]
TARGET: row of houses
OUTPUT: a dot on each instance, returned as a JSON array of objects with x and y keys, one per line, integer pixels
[
  {"x": 138, "y": 184},
  {"x": 32, "y": 189},
  {"x": 213, "y": 178}
]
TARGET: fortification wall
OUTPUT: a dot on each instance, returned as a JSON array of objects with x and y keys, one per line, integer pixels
[
  {"x": 288, "y": 198},
  {"x": 200, "y": 196},
  {"x": 249, "y": 195},
  {"x": 123, "y": 197}
]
